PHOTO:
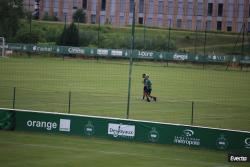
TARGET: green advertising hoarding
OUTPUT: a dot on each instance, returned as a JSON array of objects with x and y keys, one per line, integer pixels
[
  {"x": 129, "y": 130},
  {"x": 125, "y": 53}
]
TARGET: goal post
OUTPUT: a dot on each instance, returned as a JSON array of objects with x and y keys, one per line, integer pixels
[{"x": 2, "y": 46}]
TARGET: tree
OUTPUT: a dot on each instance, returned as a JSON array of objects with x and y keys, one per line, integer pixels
[
  {"x": 69, "y": 36},
  {"x": 79, "y": 16},
  {"x": 10, "y": 13}
]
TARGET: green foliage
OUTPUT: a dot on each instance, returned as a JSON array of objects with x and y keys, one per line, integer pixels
[
  {"x": 10, "y": 13},
  {"x": 88, "y": 37},
  {"x": 29, "y": 37},
  {"x": 79, "y": 16},
  {"x": 69, "y": 36},
  {"x": 47, "y": 17}
]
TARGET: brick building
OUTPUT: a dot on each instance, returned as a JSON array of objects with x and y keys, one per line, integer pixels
[{"x": 224, "y": 15}]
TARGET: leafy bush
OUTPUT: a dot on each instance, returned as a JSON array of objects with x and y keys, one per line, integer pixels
[
  {"x": 69, "y": 36},
  {"x": 29, "y": 37},
  {"x": 79, "y": 16}
]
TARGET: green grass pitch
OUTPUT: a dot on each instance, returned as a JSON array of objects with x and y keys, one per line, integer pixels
[
  {"x": 221, "y": 98},
  {"x": 19, "y": 149}
]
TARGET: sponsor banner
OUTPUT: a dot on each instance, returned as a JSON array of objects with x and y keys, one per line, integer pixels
[
  {"x": 125, "y": 129},
  {"x": 118, "y": 53},
  {"x": 89, "y": 129},
  {"x": 126, "y": 53},
  {"x": 36, "y": 48},
  {"x": 39, "y": 124},
  {"x": 153, "y": 135},
  {"x": 145, "y": 54},
  {"x": 238, "y": 157},
  {"x": 64, "y": 125},
  {"x": 222, "y": 142},
  {"x": 121, "y": 130},
  {"x": 102, "y": 52},
  {"x": 187, "y": 137},
  {"x": 247, "y": 143},
  {"x": 76, "y": 50},
  {"x": 180, "y": 57}
]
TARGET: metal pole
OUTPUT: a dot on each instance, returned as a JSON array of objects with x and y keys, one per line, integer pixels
[
  {"x": 144, "y": 32},
  {"x": 30, "y": 16},
  {"x": 3, "y": 49},
  {"x": 99, "y": 27},
  {"x": 192, "y": 115},
  {"x": 69, "y": 107},
  {"x": 169, "y": 29},
  {"x": 14, "y": 98},
  {"x": 243, "y": 39},
  {"x": 195, "y": 42},
  {"x": 205, "y": 43},
  {"x": 131, "y": 61}
]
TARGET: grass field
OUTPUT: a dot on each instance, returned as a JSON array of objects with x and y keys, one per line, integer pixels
[
  {"x": 221, "y": 98},
  {"x": 19, "y": 149}
]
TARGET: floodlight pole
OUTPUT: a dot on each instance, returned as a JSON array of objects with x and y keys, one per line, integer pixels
[{"x": 131, "y": 61}]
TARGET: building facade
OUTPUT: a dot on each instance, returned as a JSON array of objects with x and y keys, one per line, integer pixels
[{"x": 221, "y": 15}]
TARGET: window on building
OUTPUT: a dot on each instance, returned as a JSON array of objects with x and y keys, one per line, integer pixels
[
  {"x": 198, "y": 25},
  {"x": 150, "y": 21},
  {"x": 229, "y": 26},
  {"x": 93, "y": 19},
  {"x": 151, "y": 6},
  {"x": 248, "y": 27},
  {"x": 131, "y": 6},
  {"x": 210, "y": 9},
  {"x": 179, "y": 21},
  {"x": 239, "y": 26},
  {"x": 190, "y": 9},
  {"x": 103, "y": 5},
  {"x": 219, "y": 25},
  {"x": 112, "y": 19},
  {"x": 102, "y": 19},
  {"x": 209, "y": 25},
  {"x": 160, "y": 7},
  {"x": 180, "y": 7},
  {"x": 140, "y": 21},
  {"x": 46, "y": 5},
  {"x": 189, "y": 24},
  {"x": 141, "y": 6},
  {"x": 230, "y": 10},
  {"x": 84, "y": 4},
  {"x": 200, "y": 9},
  {"x": 220, "y": 9},
  {"x": 93, "y": 6},
  {"x": 169, "y": 22},
  {"x": 56, "y": 6},
  {"x": 159, "y": 22},
  {"x": 75, "y": 4},
  {"x": 112, "y": 7},
  {"x": 122, "y": 20},
  {"x": 170, "y": 8},
  {"x": 122, "y": 6},
  {"x": 241, "y": 10},
  {"x": 130, "y": 20},
  {"x": 249, "y": 11}
]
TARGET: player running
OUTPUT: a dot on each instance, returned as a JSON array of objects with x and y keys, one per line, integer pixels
[{"x": 148, "y": 88}]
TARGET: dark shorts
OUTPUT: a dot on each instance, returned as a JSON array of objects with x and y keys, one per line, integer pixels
[{"x": 146, "y": 90}]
